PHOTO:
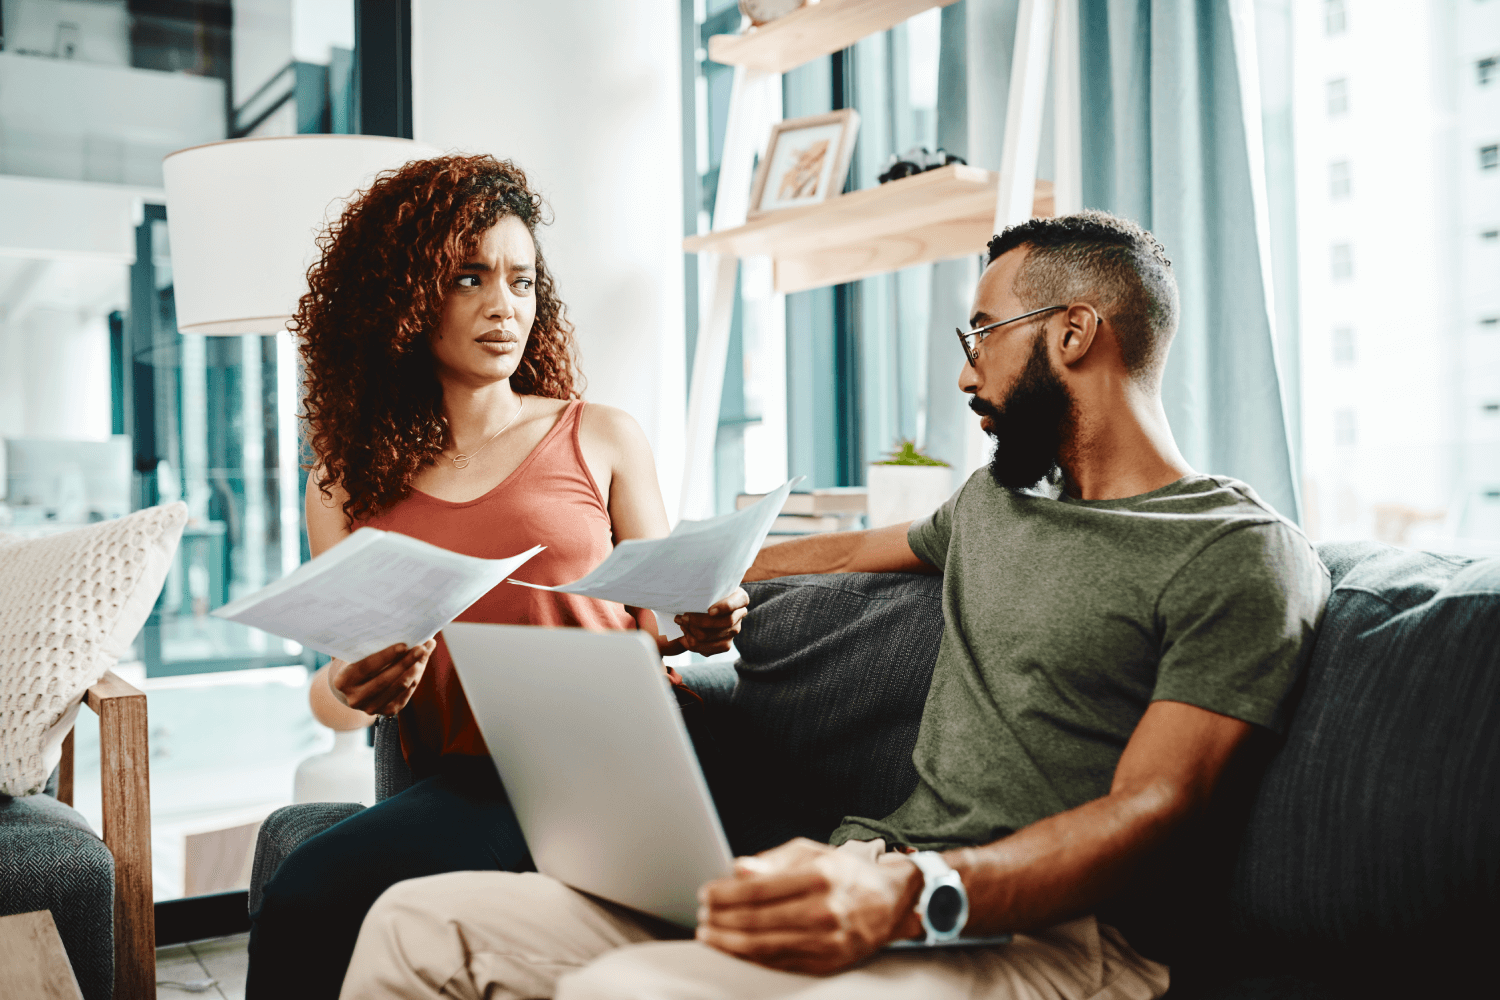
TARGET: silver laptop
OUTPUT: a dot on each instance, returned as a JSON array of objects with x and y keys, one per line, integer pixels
[{"x": 590, "y": 745}]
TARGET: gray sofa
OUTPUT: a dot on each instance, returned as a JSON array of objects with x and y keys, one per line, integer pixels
[
  {"x": 1359, "y": 855},
  {"x": 51, "y": 860}
]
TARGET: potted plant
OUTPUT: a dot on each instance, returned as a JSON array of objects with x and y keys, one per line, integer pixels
[{"x": 906, "y": 485}]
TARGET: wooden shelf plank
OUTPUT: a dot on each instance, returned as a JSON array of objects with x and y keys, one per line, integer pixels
[
  {"x": 936, "y": 215},
  {"x": 813, "y": 31}
]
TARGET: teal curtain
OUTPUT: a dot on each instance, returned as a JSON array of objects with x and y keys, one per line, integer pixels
[
  {"x": 945, "y": 413},
  {"x": 1173, "y": 137}
]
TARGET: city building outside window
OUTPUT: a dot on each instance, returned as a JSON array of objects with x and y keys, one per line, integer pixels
[
  {"x": 1486, "y": 70},
  {"x": 1489, "y": 157},
  {"x": 1422, "y": 324}
]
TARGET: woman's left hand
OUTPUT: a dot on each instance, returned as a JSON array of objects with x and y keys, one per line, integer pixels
[{"x": 713, "y": 630}]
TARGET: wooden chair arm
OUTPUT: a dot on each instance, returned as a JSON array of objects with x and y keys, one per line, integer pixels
[{"x": 125, "y": 793}]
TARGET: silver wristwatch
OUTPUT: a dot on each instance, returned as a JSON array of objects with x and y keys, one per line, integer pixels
[{"x": 943, "y": 905}]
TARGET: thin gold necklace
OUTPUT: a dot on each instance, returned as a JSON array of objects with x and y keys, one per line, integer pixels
[{"x": 461, "y": 461}]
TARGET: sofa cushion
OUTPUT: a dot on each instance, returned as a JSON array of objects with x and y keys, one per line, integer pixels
[
  {"x": 70, "y": 605},
  {"x": 833, "y": 676},
  {"x": 1376, "y": 830},
  {"x": 51, "y": 860}
]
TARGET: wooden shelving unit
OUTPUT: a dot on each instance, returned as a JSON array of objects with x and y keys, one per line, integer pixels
[
  {"x": 815, "y": 30},
  {"x": 936, "y": 215}
]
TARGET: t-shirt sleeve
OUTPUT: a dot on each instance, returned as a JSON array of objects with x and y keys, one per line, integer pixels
[
  {"x": 1238, "y": 621},
  {"x": 929, "y": 536}
]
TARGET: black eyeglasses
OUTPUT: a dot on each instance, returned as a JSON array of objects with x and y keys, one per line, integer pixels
[{"x": 972, "y": 353}]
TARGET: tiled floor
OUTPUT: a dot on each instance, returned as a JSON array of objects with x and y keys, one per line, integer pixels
[{"x": 220, "y": 960}]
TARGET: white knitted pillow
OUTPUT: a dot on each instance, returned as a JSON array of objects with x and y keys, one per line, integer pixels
[{"x": 70, "y": 605}]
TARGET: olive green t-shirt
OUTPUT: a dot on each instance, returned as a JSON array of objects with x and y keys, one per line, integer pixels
[{"x": 1064, "y": 619}]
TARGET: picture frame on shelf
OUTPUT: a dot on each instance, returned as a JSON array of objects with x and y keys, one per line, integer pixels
[
  {"x": 765, "y": 11},
  {"x": 806, "y": 161}
]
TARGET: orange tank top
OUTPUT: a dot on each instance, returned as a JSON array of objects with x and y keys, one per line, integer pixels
[{"x": 551, "y": 499}]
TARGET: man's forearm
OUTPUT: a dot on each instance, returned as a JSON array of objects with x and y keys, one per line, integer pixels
[
  {"x": 1067, "y": 864},
  {"x": 879, "y": 550}
]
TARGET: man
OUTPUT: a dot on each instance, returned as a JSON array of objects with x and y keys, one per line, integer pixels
[{"x": 1116, "y": 627}]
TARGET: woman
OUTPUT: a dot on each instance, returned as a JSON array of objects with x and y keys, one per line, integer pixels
[{"x": 441, "y": 398}]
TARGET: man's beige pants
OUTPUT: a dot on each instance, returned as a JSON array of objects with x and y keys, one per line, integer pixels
[{"x": 498, "y": 935}]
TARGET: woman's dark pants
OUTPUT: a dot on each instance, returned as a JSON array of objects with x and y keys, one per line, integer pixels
[{"x": 302, "y": 936}]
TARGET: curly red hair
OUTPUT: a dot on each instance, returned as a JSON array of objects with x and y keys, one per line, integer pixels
[{"x": 373, "y": 404}]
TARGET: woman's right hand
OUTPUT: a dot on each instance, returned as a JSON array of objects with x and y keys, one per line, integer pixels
[{"x": 381, "y": 683}]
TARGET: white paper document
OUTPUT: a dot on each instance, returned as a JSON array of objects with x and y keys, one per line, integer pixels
[
  {"x": 371, "y": 590},
  {"x": 699, "y": 563}
]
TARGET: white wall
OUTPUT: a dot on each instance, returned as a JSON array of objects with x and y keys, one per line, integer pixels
[
  {"x": 54, "y": 345},
  {"x": 585, "y": 97},
  {"x": 67, "y": 375}
]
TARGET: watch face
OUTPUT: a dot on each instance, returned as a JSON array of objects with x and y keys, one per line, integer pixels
[{"x": 943, "y": 908}]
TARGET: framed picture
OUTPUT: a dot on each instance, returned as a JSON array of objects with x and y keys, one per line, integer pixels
[{"x": 806, "y": 161}]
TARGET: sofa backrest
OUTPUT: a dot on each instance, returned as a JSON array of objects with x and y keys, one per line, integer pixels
[
  {"x": 1376, "y": 829},
  {"x": 833, "y": 674}
]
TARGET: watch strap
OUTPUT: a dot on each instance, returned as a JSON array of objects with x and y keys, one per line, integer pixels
[{"x": 930, "y": 864}]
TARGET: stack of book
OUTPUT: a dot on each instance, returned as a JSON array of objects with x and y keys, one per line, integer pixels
[{"x": 838, "y": 508}]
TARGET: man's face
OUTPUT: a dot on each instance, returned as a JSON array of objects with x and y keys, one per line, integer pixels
[{"x": 1019, "y": 396}]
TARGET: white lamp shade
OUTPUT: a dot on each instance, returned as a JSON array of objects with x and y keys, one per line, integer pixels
[{"x": 243, "y": 217}]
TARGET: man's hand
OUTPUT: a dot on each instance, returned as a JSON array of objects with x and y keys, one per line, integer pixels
[
  {"x": 382, "y": 683},
  {"x": 712, "y": 631},
  {"x": 806, "y": 907}
]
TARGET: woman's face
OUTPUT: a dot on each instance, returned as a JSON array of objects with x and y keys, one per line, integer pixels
[{"x": 488, "y": 312}]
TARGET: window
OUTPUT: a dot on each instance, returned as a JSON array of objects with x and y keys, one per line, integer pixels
[
  {"x": 1339, "y": 185},
  {"x": 208, "y": 420},
  {"x": 1338, "y": 96},
  {"x": 1379, "y": 387},
  {"x": 1343, "y": 346},
  {"x": 1343, "y": 427},
  {"x": 1342, "y": 259},
  {"x": 1335, "y": 17}
]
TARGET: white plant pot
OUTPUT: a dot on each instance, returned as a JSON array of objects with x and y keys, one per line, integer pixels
[
  {"x": 344, "y": 774},
  {"x": 899, "y": 493}
]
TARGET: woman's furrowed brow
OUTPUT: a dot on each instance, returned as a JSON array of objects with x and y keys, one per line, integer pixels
[{"x": 481, "y": 267}]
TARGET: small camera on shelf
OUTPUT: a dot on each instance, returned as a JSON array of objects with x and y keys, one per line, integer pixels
[{"x": 915, "y": 161}]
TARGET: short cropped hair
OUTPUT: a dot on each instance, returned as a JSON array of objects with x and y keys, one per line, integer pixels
[{"x": 1096, "y": 255}]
